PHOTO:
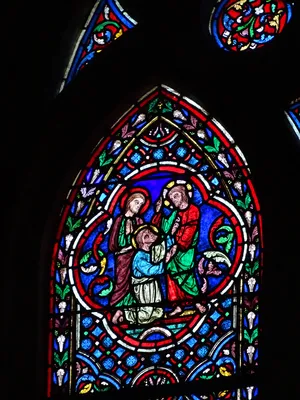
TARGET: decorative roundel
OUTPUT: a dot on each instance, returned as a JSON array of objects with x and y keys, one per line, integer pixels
[{"x": 239, "y": 25}]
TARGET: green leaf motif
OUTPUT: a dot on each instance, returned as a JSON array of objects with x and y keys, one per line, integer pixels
[
  {"x": 60, "y": 361},
  {"x": 153, "y": 105},
  {"x": 108, "y": 161},
  {"x": 101, "y": 26},
  {"x": 246, "y": 336},
  {"x": 244, "y": 204},
  {"x": 65, "y": 291},
  {"x": 228, "y": 238},
  {"x": 217, "y": 143},
  {"x": 77, "y": 224},
  {"x": 101, "y": 389},
  {"x": 251, "y": 30},
  {"x": 73, "y": 224},
  {"x": 252, "y": 337},
  {"x": 255, "y": 266},
  {"x": 210, "y": 149},
  {"x": 100, "y": 253},
  {"x": 251, "y": 270},
  {"x": 247, "y": 200},
  {"x": 62, "y": 292},
  {"x": 248, "y": 268},
  {"x": 208, "y": 376},
  {"x": 168, "y": 107},
  {"x": 241, "y": 204},
  {"x": 222, "y": 239},
  {"x": 58, "y": 290},
  {"x": 242, "y": 27},
  {"x": 229, "y": 243},
  {"x": 102, "y": 159},
  {"x": 105, "y": 292},
  {"x": 85, "y": 258}
]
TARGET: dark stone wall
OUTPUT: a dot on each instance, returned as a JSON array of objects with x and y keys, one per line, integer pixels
[{"x": 47, "y": 139}]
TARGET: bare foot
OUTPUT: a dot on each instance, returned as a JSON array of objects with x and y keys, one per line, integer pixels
[
  {"x": 118, "y": 317},
  {"x": 177, "y": 310},
  {"x": 201, "y": 308}
]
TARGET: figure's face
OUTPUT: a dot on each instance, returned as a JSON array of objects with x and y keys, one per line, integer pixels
[
  {"x": 176, "y": 197},
  {"x": 136, "y": 204},
  {"x": 149, "y": 237}
]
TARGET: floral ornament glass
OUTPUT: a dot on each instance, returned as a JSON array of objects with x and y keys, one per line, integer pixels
[{"x": 239, "y": 25}]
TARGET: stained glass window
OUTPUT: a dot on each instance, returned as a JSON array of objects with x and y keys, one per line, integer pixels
[
  {"x": 240, "y": 25},
  {"x": 155, "y": 273},
  {"x": 106, "y": 23},
  {"x": 293, "y": 116}
]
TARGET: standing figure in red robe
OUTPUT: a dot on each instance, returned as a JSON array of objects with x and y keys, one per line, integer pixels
[{"x": 182, "y": 230}]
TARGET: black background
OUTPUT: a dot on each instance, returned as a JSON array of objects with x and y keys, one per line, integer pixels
[{"x": 46, "y": 139}]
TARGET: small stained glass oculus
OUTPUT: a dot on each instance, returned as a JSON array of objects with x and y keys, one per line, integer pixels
[{"x": 239, "y": 25}]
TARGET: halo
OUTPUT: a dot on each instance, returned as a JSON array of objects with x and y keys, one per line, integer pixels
[
  {"x": 141, "y": 227},
  {"x": 141, "y": 190},
  {"x": 177, "y": 182}
]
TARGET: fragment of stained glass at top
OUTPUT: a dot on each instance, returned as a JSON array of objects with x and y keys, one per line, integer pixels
[
  {"x": 293, "y": 116},
  {"x": 239, "y": 25},
  {"x": 155, "y": 273},
  {"x": 107, "y": 22}
]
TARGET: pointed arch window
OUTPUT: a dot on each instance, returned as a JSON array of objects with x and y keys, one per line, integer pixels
[
  {"x": 239, "y": 25},
  {"x": 155, "y": 275},
  {"x": 107, "y": 22}
]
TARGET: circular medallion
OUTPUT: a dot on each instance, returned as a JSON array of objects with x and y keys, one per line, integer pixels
[{"x": 246, "y": 25}]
